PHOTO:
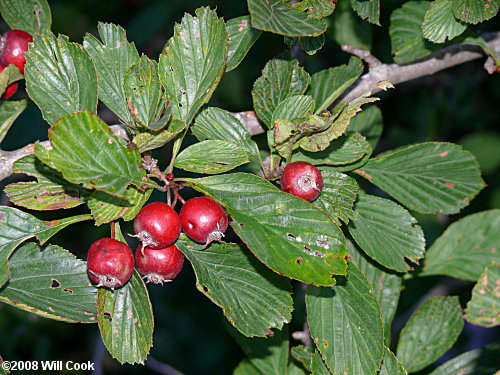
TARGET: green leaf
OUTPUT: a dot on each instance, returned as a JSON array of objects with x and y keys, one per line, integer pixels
[
  {"x": 295, "y": 109},
  {"x": 17, "y": 226},
  {"x": 387, "y": 287},
  {"x": 315, "y": 8},
  {"x": 427, "y": 177},
  {"x": 143, "y": 92},
  {"x": 242, "y": 37},
  {"x": 312, "y": 44},
  {"x": 440, "y": 24},
  {"x": 86, "y": 151},
  {"x": 346, "y": 149},
  {"x": 9, "y": 112},
  {"x": 211, "y": 157},
  {"x": 318, "y": 366},
  {"x": 280, "y": 18},
  {"x": 369, "y": 123},
  {"x": 387, "y": 232},
  {"x": 475, "y": 11},
  {"x": 193, "y": 62},
  {"x": 50, "y": 192},
  {"x": 253, "y": 298},
  {"x": 430, "y": 332},
  {"x": 407, "y": 40},
  {"x": 391, "y": 365},
  {"x": 367, "y": 10},
  {"x": 106, "y": 208},
  {"x": 482, "y": 361},
  {"x": 338, "y": 196},
  {"x": 288, "y": 234},
  {"x": 125, "y": 319},
  {"x": 245, "y": 367},
  {"x": 152, "y": 140},
  {"x": 280, "y": 79},
  {"x": 346, "y": 324},
  {"x": 484, "y": 307},
  {"x": 327, "y": 85},
  {"x": 218, "y": 124},
  {"x": 269, "y": 355},
  {"x": 60, "y": 77},
  {"x": 303, "y": 354},
  {"x": 347, "y": 28},
  {"x": 32, "y": 16},
  {"x": 43, "y": 196},
  {"x": 466, "y": 247},
  {"x": 320, "y": 141},
  {"x": 112, "y": 58},
  {"x": 293, "y": 369},
  {"x": 50, "y": 282}
]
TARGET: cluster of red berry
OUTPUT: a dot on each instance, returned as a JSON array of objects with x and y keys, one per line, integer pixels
[
  {"x": 158, "y": 226},
  {"x": 13, "y": 45},
  {"x": 111, "y": 262}
]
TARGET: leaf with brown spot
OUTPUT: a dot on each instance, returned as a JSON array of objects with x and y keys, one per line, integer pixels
[
  {"x": 484, "y": 307},
  {"x": 18, "y": 226},
  {"x": 40, "y": 279},
  {"x": 466, "y": 247},
  {"x": 427, "y": 177}
]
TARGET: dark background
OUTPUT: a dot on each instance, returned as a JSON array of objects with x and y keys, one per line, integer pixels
[{"x": 459, "y": 105}]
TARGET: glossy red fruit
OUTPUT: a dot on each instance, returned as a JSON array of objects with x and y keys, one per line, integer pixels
[
  {"x": 203, "y": 220},
  {"x": 110, "y": 263},
  {"x": 157, "y": 225},
  {"x": 10, "y": 90},
  {"x": 303, "y": 180},
  {"x": 159, "y": 265},
  {"x": 13, "y": 45}
]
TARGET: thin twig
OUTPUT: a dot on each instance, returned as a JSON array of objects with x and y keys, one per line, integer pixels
[
  {"x": 363, "y": 54},
  {"x": 160, "y": 367}
]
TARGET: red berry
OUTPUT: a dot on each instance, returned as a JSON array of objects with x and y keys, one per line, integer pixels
[
  {"x": 110, "y": 263},
  {"x": 203, "y": 220},
  {"x": 170, "y": 176},
  {"x": 157, "y": 225},
  {"x": 303, "y": 180},
  {"x": 13, "y": 45},
  {"x": 159, "y": 265}
]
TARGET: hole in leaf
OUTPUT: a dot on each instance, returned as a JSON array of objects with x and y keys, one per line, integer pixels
[
  {"x": 291, "y": 236},
  {"x": 54, "y": 284},
  {"x": 308, "y": 249},
  {"x": 299, "y": 260},
  {"x": 205, "y": 289},
  {"x": 69, "y": 290},
  {"x": 108, "y": 317}
]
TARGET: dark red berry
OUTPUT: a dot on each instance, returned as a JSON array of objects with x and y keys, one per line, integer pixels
[
  {"x": 157, "y": 225},
  {"x": 110, "y": 263},
  {"x": 170, "y": 176},
  {"x": 159, "y": 265},
  {"x": 303, "y": 180},
  {"x": 203, "y": 220},
  {"x": 13, "y": 45},
  {"x": 10, "y": 89}
]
